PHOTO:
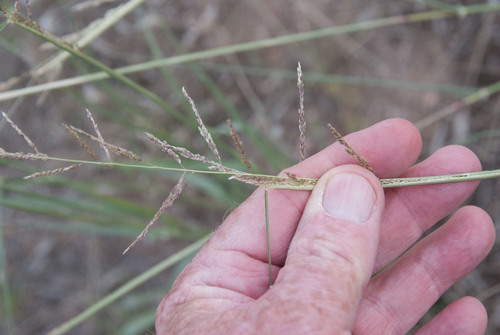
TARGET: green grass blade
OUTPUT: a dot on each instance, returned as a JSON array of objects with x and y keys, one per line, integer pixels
[
  {"x": 3, "y": 25},
  {"x": 4, "y": 278},
  {"x": 316, "y": 77},
  {"x": 266, "y": 201}
]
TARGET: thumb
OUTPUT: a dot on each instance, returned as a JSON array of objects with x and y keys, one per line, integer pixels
[{"x": 331, "y": 256}]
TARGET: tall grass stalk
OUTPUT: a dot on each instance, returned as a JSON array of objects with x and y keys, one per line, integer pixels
[
  {"x": 268, "y": 237},
  {"x": 8, "y": 314},
  {"x": 478, "y": 95}
]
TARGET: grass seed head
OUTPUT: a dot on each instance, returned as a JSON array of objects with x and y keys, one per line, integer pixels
[
  {"x": 350, "y": 150},
  {"x": 239, "y": 145},
  {"x": 20, "y": 132},
  {"x": 53, "y": 172},
  {"x": 203, "y": 130},
  {"x": 174, "y": 194}
]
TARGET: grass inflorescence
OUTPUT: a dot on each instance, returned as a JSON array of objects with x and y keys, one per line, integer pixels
[{"x": 288, "y": 182}]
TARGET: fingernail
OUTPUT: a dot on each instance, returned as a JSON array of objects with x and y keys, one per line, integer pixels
[{"x": 350, "y": 197}]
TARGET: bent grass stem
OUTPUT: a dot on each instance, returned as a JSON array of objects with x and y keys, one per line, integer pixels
[{"x": 286, "y": 183}]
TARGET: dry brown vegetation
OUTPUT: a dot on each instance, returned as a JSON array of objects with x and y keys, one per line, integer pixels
[{"x": 63, "y": 236}]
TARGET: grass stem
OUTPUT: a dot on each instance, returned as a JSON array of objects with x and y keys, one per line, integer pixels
[
  {"x": 8, "y": 313},
  {"x": 266, "y": 201},
  {"x": 289, "y": 183}
]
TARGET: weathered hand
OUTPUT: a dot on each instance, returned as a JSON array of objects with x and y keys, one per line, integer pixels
[{"x": 328, "y": 243}]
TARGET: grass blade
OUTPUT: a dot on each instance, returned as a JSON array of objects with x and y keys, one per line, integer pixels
[
  {"x": 266, "y": 201},
  {"x": 4, "y": 279}
]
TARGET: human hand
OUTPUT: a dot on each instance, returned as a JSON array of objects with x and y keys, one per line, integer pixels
[{"x": 327, "y": 244}]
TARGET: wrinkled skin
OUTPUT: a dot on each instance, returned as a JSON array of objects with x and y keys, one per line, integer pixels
[{"x": 328, "y": 243}]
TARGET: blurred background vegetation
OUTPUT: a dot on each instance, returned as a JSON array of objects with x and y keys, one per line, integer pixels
[{"x": 62, "y": 237}]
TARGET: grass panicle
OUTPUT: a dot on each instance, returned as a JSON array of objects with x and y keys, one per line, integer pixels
[
  {"x": 239, "y": 145},
  {"x": 20, "y": 132},
  {"x": 165, "y": 147},
  {"x": 22, "y": 155},
  {"x": 114, "y": 148},
  {"x": 174, "y": 194},
  {"x": 53, "y": 172},
  {"x": 203, "y": 130},
  {"x": 82, "y": 143},
  {"x": 99, "y": 136},
  {"x": 175, "y": 151},
  {"x": 349, "y": 149}
]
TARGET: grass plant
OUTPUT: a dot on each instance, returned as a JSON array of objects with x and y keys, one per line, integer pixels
[{"x": 187, "y": 163}]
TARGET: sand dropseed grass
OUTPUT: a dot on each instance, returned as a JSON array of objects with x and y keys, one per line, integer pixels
[
  {"x": 288, "y": 182},
  {"x": 213, "y": 166}
]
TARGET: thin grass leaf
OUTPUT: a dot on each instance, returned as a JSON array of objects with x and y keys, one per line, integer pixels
[
  {"x": 89, "y": 4},
  {"x": 268, "y": 238},
  {"x": 302, "y": 120},
  {"x": 3, "y": 25},
  {"x": 256, "y": 71},
  {"x": 174, "y": 194},
  {"x": 319, "y": 77},
  {"x": 7, "y": 301},
  {"x": 203, "y": 130},
  {"x": 456, "y": 106}
]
